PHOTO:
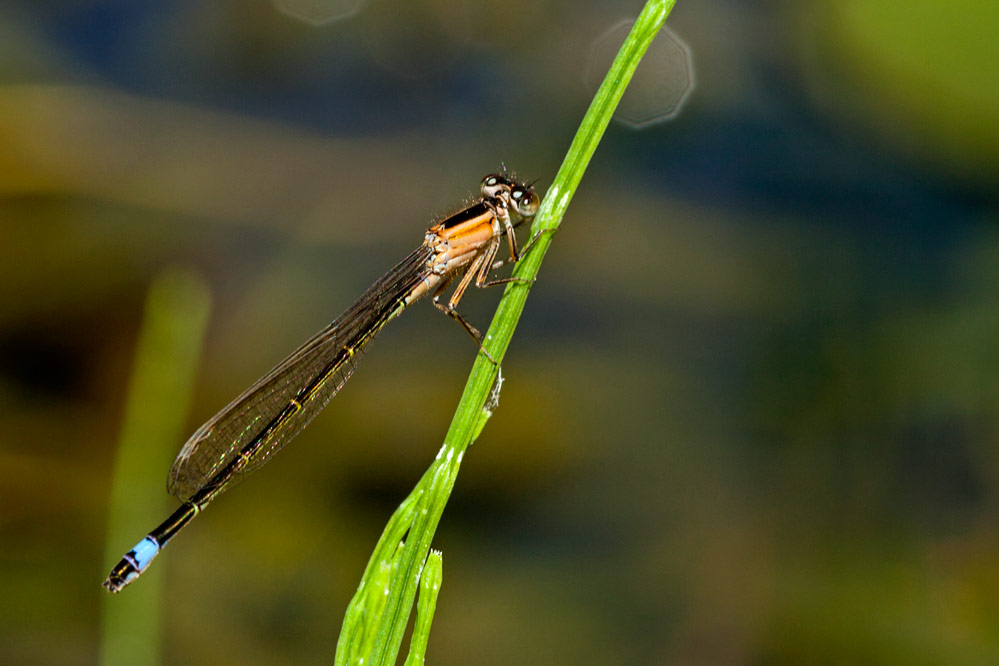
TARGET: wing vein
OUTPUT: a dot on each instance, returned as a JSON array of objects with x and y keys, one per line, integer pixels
[{"x": 264, "y": 418}]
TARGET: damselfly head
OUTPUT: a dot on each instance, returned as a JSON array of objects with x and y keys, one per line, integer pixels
[{"x": 507, "y": 192}]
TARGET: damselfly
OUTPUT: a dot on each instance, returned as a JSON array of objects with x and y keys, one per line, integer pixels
[{"x": 254, "y": 426}]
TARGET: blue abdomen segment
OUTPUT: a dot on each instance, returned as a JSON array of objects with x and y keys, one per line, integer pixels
[
  {"x": 144, "y": 552},
  {"x": 132, "y": 564},
  {"x": 136, "y": 560}
]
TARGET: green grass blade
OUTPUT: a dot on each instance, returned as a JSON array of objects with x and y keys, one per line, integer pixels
[
  {"x": 159, "y": 393},
  {"x": 430, "y": 587},
  {"x": 387, "y": 619}
]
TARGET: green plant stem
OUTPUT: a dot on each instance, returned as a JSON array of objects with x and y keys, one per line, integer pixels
[
  {"x": 550, "y": 215},
  {"x": 386, "y": 621}
]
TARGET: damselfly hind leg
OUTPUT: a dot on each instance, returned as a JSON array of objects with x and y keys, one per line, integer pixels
[
  {"x": 450, "y": 311},
  {"x": 506, "y": 280},
  {"x": 450, "y": 308}
]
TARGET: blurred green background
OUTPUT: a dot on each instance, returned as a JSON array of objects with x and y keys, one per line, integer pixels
[{"x": 751, "y": 410}]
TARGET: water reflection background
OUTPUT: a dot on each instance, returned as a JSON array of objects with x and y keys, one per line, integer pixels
[{"x": 750, "y": 414}]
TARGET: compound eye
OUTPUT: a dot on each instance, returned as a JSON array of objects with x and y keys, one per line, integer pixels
[
  {"x": 493, "y": 184},
  {"x": 525, "y": 201}
]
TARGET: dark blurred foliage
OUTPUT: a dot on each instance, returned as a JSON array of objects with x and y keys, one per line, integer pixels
[{"x": 752, "y": 409}]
